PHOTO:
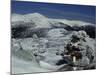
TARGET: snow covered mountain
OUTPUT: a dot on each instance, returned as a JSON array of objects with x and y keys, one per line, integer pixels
[
  {"x": 38, "y": 20},
  {"x": 42, "y": 21},
  {"x": 30, "y": 23},
  {"x": 35, "y": 36}
]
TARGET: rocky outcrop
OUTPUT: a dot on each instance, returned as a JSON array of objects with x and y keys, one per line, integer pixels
[{"x": 82, "y": 49}]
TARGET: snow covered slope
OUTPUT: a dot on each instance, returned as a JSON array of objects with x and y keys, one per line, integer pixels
[
  {"x": 27, "y": 24},
  {"x": 37, "y": 19},
  {"x": 42, "y": 21}
]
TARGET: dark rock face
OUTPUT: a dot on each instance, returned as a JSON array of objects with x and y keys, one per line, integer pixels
[
  {"x": 20, "y": 32},
  {"x": 60, "y": 62},
  {"x": 26, "y": 32},
  {"x": 89, "y": 29}
]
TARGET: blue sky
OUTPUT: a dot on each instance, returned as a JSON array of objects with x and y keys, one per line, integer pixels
[{"x": 52, "y": 10}]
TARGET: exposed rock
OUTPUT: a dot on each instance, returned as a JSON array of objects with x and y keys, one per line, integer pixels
[{"x": 81, "y": 48}]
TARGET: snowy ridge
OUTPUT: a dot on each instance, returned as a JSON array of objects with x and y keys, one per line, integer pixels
[
  {"x": 43, "y": 22},
  {"x": 71, "y": 22},
  {"x": 36, "y": 18}
]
